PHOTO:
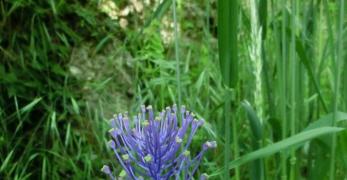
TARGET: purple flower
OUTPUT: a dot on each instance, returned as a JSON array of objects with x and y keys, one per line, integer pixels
[{"x": 156, "y": 147}]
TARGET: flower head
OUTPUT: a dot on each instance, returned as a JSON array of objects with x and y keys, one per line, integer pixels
[{"x": 154, "y": 147}]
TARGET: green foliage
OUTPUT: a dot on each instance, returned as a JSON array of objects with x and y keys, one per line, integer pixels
[
  {"x": 40, "y": 101},
  {"x": 67, "y": 66},
  {"x": 283, "y": 145},
  {"x": 228, "y": 12}
]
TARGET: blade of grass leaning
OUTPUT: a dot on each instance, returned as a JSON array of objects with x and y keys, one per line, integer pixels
[
  {"x": 30, "y": 106},
  {"x": 324, "y": 121},
  {"x": 327, "y": 120},
  {"x": 228, "y": 59},
  {"x": 75, "y": 106},
  {"x": 284, "y": 144},
  {"x": 23, "y": 110},
  {"x": 6, "y": 161},
  {"x": 340, "y": 7},
  {"x": 257, "y": 131},
  {"x": 303, "y": 57},
  {"x": 280, "y": 146},
  {"x": 254, "y": 121},
  {"x": 157, "y": 15},
  {"x": 305, "y": 60}
]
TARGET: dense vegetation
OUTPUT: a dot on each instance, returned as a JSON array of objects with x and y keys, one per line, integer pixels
[{"x": 269, "y": 77}]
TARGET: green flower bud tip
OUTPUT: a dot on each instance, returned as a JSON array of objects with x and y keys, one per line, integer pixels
[
  {"x": 145, "y": 123},
  {"x": 122, "y": 174},
  {"x": 186, "y": 153},
  {"x": 148, "y": 158},
  {"x": 125, "y": 157},
  {"x": 178, "y": 140}
]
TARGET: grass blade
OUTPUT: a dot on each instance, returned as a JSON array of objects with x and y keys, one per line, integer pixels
[
  {"x": 30, "y": 106},
  {"x": 178, "y": 73},
  {"x": 283, "y": 85},
  {"x": 293, "y": 87},
  {"x": 305, "y": 61},
  {"x": 327, "y": 120},
  {"x": 282, "y": 145},
  {"x": 157, "y": 15},
  {"x": 338, "y": 61},
  {"x": 228, "y": 58},
  {"x": 254, "y": 121},
  {"x": 324, "y": 121},
  {"x": 227, "y": 41},
  {"x": 257, "y": 131},
  {"x": 6, "y": 161}
]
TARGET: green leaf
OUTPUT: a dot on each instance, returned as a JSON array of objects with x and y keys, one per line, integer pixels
[
  {"x": 227, "y": 40},
  {"x": 282, "y": 145},
  {"x": 263, "y": 16},
  {"x": 227, "y": 22},
  {"x": 327, "y": 120},
  {"x": 308, "y": 65},
  {"x": 30, "y": 105},
  {"x": 122, "y": 173},
  {"x": 324, "y": 121},
  {"x": 102, "y": 43},
  {"x": 254, "y": 121},
  {"x": 75, "y": 106},
  {"x": 257, "y": 130},
  {"x": 159, "y": 12},
  {"x": 157, "y": 15},
  {"x": 6, "y": 161}
]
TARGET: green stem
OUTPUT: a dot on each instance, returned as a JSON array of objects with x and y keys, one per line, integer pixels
[
  {"x": 283, "y": 89},
  {"x": 228, "y": 58},
  {"x": 293, "y": 89},
  {"x": 340, "y": 6},
  {"x": 178, "y": 73},
  {"x": 235, "y": 141}
]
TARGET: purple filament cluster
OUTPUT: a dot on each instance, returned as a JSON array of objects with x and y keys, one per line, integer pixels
[{"x": 155, "y": 147}]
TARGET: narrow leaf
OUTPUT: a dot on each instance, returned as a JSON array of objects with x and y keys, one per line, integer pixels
[
  {"x": 6, "y": 161},
  {"x": 30, "y": 105},
  {"x": 281, "y": 145},
  {"x": 254, "y": 121}
]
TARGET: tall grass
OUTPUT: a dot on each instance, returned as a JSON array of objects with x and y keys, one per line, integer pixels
[
  {"x": 268, "y": 77},
  {"x": 257, "y": 120},
  {"x": 336, "y": 98},
  {"x": 293, "y": 81},
  {"x": 178, "y": 72},
  {"x": 283, "y": 86},
  {"x": 228, "y": 59}
]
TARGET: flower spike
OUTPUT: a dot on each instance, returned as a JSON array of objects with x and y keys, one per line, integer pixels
[{"x": 155, "y": 145}]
